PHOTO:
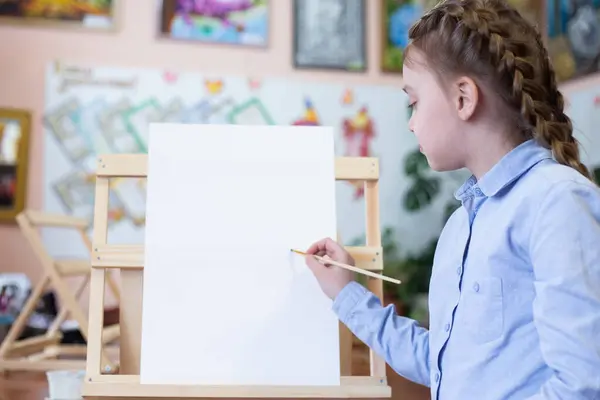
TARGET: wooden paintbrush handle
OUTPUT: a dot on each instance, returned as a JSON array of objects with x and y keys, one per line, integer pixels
[{"x": 357, "y": 270}]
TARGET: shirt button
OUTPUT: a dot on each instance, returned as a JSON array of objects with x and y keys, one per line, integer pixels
[
  {"x": 447, "y": 327},
  {"x": 476, "y": 287},
  {"x": 458, "y": 270},
  {"x": 437, "y": 377}
]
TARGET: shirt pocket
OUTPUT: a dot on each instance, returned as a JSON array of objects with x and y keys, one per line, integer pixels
[{"x": 484, "y": 311}]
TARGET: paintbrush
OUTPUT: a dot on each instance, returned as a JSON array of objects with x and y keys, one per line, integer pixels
[{"x": 348, "y": 267}]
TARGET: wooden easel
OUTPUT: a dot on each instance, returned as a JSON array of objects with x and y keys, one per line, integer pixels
[
  {"x": 130, "y": 260},
  {"x": 43, "y": 352}
]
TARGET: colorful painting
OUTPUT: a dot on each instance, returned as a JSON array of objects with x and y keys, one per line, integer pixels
[
  {"x": 14, "y": 139},
  {"x": 241, "y": 22},
  {"x": 398, "y": 16},
  {"x": 573, "y": 28},
  {"x": 89, "y": 14}
]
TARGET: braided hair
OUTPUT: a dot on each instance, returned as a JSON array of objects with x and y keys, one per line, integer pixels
[{"x": 490, "y": 41}]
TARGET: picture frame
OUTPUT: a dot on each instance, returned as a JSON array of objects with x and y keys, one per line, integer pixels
[
  {"x": 15, "y": 132},
  {"x": 87, "y": 15},
  {"x": 241, "y": 23},
  {"x": 330, "y": 34},
  {"x": 397, "y": 16},
  {"x": 573, "y": 37}
]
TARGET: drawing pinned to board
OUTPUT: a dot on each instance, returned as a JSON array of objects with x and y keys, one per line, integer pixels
[
  {"x": 252, "y": 112},
  {"x": 348, "y": 97},
  {"x": 170, "y": 76},
  {"x": 254, "y": 83},
  {"x": 76, "y": 192},
  {"x": 62, "y": 125},
  {"x": 358, "y": 132},
  {"x": 213, "y": 86},
  {"x": 117, "y": 104},
  {"x": 241, "y": 22},
  {"x": 310, "y": 117}
]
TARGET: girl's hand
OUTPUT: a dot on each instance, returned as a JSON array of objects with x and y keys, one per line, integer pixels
[{"x": 332, "y": 279}]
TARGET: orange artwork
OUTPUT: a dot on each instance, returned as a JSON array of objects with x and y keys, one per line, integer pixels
[
  {"x": 213, "y": 86},
  {"x": 310, "y": 117}
]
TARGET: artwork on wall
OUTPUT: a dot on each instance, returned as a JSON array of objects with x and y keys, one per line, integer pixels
[
  {"x": 239, "y": 22},
  {"x": 14, "y": 159},
  {"x": 397, "y": 18},
  {"x": 573, "y": 28},
  {"x": 86, "y": 14},
  {"x": 330, "y": 34}
]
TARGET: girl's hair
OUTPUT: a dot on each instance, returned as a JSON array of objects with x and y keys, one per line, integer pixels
[{"x": 492, "y": 43}]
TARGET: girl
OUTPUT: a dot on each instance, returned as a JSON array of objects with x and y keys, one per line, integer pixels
[{"x": 515, "y": 287}]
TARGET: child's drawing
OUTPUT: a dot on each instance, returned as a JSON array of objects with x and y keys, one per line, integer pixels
[{"x": 358, "y": 131}]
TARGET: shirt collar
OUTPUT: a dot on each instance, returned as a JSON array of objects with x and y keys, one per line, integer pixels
[{"x": 507, "y": 170}]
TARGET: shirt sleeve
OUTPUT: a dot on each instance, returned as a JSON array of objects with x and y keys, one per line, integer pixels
[
  {"x": 399, "y": 340},
  {"x": 565, "y": 253}
]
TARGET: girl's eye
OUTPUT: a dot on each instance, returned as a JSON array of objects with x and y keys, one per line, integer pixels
[{"x": 411, "y": 108}]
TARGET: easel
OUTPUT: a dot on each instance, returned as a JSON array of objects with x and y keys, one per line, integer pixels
[
  {"x": 130, "y": 260},
  {"x": 41, "y": 353}
]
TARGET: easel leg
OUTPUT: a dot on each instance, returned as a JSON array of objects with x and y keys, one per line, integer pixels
[{"x": 64, "y": 311}]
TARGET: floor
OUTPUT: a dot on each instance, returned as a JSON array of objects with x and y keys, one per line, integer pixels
[
  {"x": 30, "y": 386},
  {"x": 23, "y": 386},
  {"x": 26, "y": 386},
  {"x": 33, "y": 386}
]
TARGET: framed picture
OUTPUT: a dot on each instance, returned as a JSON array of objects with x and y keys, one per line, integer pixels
[
  {"x": 84, "y": 14},
  {"x": 573, "y": 34},
  {"x": 14, "y": 160},
  {"x": 330, "y": 34},
  {"x": 237, "y": 22},
  {"x": 397, "y": 18}
]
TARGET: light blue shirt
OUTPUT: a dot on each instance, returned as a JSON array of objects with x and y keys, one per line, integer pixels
[{"x": 514, "y": 294}]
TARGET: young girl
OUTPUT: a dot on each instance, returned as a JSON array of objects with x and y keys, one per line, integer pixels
[{"x": 515, "y": 287}]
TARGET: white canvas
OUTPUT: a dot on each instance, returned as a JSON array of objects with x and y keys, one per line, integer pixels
[{"x": 225, "y": 301}]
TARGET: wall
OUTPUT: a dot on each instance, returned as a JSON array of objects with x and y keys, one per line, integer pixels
[{"x": 25, "y": 53}]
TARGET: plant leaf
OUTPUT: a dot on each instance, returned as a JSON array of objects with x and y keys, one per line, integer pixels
[
  {"x": 415, "y": 163},
  {"x": 421, "y": 193}
]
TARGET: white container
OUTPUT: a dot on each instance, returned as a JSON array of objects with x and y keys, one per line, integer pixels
[{"x": 65, "y": 385}]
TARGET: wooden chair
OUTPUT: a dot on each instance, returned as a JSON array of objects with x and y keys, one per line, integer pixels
[{"x": 43, "y": 352}]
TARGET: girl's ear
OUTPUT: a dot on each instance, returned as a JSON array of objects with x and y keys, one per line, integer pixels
[{"x": 467, "y": 97}]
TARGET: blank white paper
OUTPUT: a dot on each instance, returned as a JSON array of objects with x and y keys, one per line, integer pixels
[{"x": 225, "y": 301}]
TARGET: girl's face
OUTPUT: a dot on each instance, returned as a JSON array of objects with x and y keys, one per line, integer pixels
[{"x": 434, "y": 119}]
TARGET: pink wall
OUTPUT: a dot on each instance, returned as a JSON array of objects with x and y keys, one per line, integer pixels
[{"x": 25, "y": 52}]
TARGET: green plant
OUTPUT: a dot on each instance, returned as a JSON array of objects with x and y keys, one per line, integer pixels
[{"x": 414, "y": 270}]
